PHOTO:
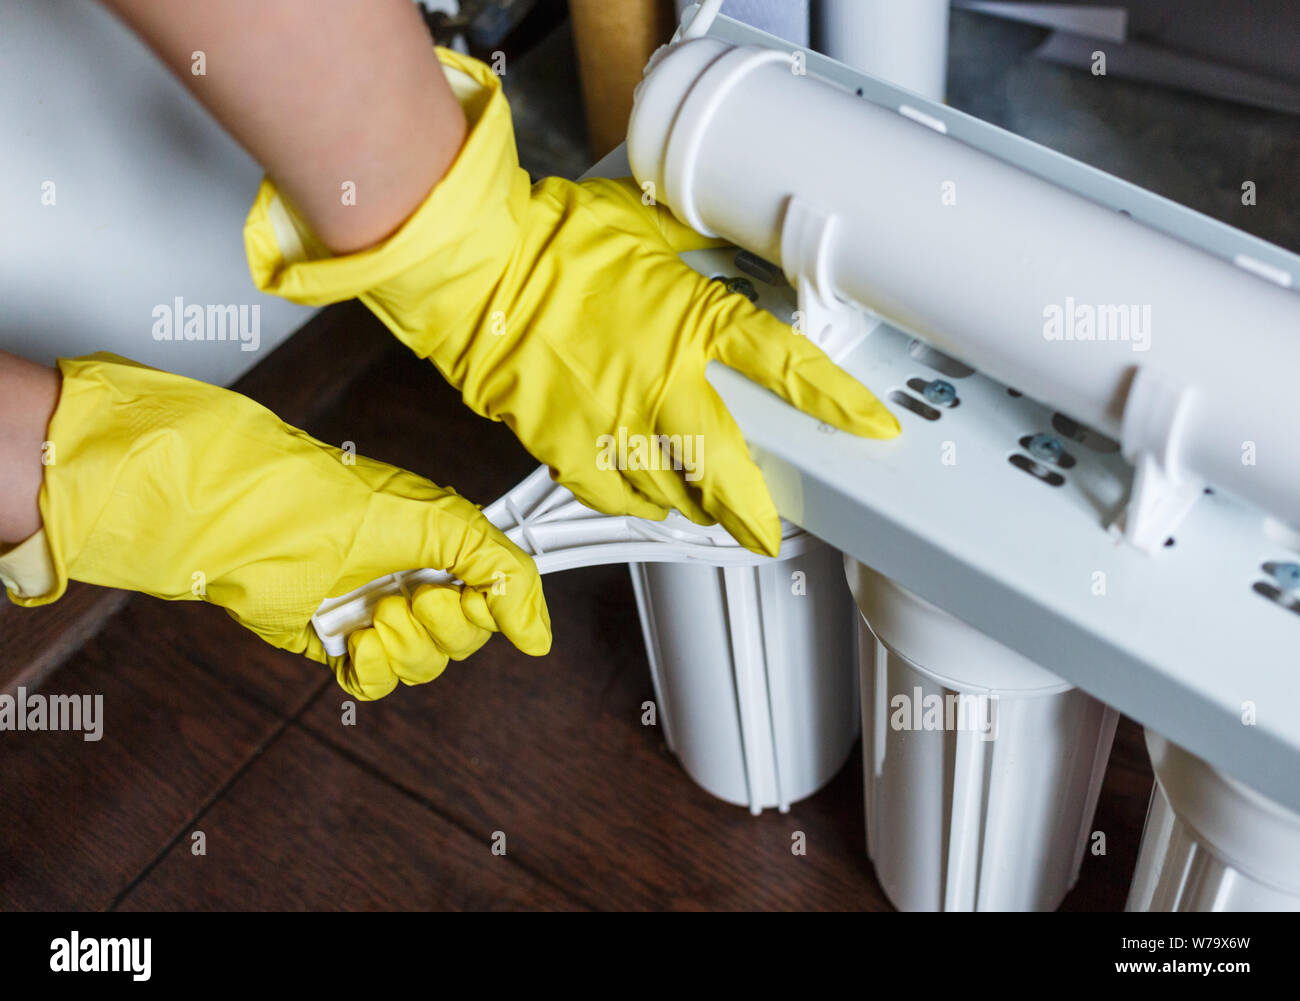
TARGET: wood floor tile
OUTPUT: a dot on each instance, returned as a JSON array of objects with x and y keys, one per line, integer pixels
[
  {"x": 205, "y": 637},
  {"x": 306, "y": 829},
  {"x": 80, "y": 819},
  {"x": 35, "y": 641},
  {"x": 402, "y": 411}
]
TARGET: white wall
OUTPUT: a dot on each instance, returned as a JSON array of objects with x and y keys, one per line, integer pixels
[{"x": 150, "y": 198}]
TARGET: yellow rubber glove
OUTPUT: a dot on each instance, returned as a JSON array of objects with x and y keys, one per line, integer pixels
[
  {"x": 186, "y": 491},
  {"x": 564, "y": 311}
]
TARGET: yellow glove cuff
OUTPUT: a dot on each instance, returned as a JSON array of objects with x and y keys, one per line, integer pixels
[
  {"x": 27, "y": 571},
  {"x": 465, "y": 228}
]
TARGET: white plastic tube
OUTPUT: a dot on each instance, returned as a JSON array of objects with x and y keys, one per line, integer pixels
[
  {"x": 904, "y": 43},
  {"x": 976, "y": 256}
]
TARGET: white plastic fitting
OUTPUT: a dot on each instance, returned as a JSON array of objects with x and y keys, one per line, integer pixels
[
  {"x": 877, "y": 207},
  {"x": 560, "y": 533}
]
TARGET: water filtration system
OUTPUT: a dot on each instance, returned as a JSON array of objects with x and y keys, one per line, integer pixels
[
  {"x": 1092, "y": 508},
  {"x": 1121, "y": 325}
]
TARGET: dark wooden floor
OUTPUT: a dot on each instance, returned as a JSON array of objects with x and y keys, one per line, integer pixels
[{"x": 207, "y": 729}]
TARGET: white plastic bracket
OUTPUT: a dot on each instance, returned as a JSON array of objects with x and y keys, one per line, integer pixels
[
  {"x": 807, "y": 236},
  {"x": 1155, "y": 420},
  {"x": 560, "y": 533}
]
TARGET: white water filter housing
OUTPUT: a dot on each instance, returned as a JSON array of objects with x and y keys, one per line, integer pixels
[
  {"x": 981, "y": 769},
  {"x": 877, "y": 207},
  {"x": 1211, "y": 843},
  {"x": 754, "y": 671}
]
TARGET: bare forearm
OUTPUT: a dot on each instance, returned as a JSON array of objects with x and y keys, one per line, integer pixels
[
  {"x": 28, "y": 394},
  {"x": 322, "y": 93}
]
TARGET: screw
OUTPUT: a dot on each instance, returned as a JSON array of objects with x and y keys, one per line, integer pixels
[
  {"x": 1288, "y": 575},
  {"x": 939, "y": 392},
  {"x": 744, "y": 286},
  {"x": 1046, "y": 447}
]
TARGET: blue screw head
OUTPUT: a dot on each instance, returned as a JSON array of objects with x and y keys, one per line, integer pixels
[
  {"x": 939, "y": 392},
  {"x": 1046, "y": 447},
  {"x": 1287, "y": 575}
]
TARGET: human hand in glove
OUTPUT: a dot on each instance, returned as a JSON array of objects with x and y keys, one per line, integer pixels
[
  {"x": 187, "y": 491},
  {"x": 564, "y": 311}
]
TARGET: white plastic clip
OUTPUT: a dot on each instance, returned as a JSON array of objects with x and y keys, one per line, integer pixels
[
  {"x": 807, "y": 236},
  {"x": 1155, "y": 419}
]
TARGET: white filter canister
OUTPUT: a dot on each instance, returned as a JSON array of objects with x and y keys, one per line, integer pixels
[
  {"x": 1211, "y": 843},
  {"x": 754, "y": 670},
  {"x": 981, "y": 769}
]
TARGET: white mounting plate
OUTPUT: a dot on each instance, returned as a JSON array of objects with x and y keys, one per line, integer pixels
[{"x": 1180, "y": 640}]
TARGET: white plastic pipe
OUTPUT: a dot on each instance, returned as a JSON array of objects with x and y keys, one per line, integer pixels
[
  {"x": 978, "y": 257},
  {"x": 904, "y": 43}
]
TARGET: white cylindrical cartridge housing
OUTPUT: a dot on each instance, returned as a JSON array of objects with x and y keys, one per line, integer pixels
[{"x": 1061, "y": 297}]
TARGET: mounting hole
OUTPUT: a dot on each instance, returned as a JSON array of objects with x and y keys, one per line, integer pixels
[
  {"x": 1037, "y": 470},
  {"x": 940, "y": 362},
  {"x": 909, "y": 402},
  {"x": 1084, "y": 435},
  {"x": 1169, "y": 542},
  {"x": 757, "y": 267},
  {"x": 1275, "y": 594}
]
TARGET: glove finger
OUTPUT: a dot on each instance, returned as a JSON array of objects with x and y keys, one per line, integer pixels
[
  {"x": 463, "y": 542},
  {"x": 365, "y": 673},
  {"x": 412, "y": 653},
  {"x": 519, "y": 609},
  {"x": 476, "y": 610},
  {"x": 438, "y": 608},
  {"x": 771, "y": 353},
  {"x": 609, "y": 492},
  {"x": 731, "y": 488},
  {"x": 669, "y": 487}
]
